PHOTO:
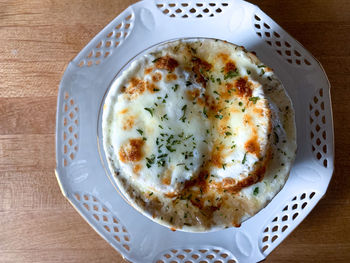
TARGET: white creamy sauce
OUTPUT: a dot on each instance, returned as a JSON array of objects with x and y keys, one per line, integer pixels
[{"x": 164, "y": 128}]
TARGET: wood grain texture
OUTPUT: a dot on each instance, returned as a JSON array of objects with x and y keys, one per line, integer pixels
[{"x": 37, "y": 40}]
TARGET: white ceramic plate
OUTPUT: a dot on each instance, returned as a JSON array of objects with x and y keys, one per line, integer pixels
[{"x": 86, "y": 183}]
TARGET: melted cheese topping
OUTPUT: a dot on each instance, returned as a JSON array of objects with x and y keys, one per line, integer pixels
[{"x": 193, "y": 131}]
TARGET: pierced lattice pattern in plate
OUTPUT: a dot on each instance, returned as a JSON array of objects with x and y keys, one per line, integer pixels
[
  {"x": 110, "y": 224},
  {"x": 196, "y": 255},
  {"x": 192, "y": 10},
  {"x": 279, "y": 42},
  {"x": 274, "y": 231},
  {"x": 318, "y": 132},
  {"x": 104, "y": 48},
  {"x": 70, "y": 131}
]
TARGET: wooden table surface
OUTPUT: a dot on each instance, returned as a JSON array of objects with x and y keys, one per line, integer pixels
[{"x": 37, "y": 40}]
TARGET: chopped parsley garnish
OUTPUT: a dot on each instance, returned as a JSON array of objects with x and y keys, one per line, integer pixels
[
  {"x": 219, "y": 81},
  {"x": 183, "y": 118},
  {"x": 162, "y": 156},
  {"x": 224, "y": 166},
  {"x": 233, "y": 145},
  {"x": 212, "y": 78},
  {"x": 205, "y": 112},
  {"x": 164, "y": 117},
  {"x": 188, "y": 83},
  {"x": 254, "y": 99},
  {"x": 228, "y": 133},
  {"x": 262, "y": 71},
  {"x": 243, "y": 110},
  {"x": 231, "y": 74},
  {"x": 240, "y": 103},
  {"x": 155, "y": 60},
  {"x": 140, "y": 131},
  {"x": 151, "y": 194},
  {"x": 150, "y": 160},
  {"x": 261, "y": 66},
  {"x": 170, "y": 149},
  {"x": 244, "y": 158},
  {"x": 150, "y": 110},
  {"x": 256, "y": 191},
  {"x": 219, "y": 116},
  {"x": 248, "y": 72},
  {"x": 154, "y": 89},
  {"x": 174, "y": 88},
  {"x": 161, "y": 163}
]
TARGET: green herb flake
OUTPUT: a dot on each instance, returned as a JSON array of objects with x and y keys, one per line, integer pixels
[
  {"x": 228, "y": 133},
  {"x": 244, "y": 158},
  {"x": 212, "y": 78},
  {"x": 256, "y": 191},
  {"x": 205, "y": 112},
  {"x": 219, "y": 116},
  {"x": 150, "y": 160},
  {"x": 174, "y": 88},
  {"x": 164, "y": 117},
  {"x": 188, "y": 83},
  {"x": 240, "y": 103},
  {"x": 150, "y": 110},
  {"x": 139, "y": 131},
  {"x": 248, "y": 72},
  {"x": 254, "y": 99},
  {"x": 170, "y": 149},
  {"x": 183, "y": 118},
  {"x": 231, "y": 74}
]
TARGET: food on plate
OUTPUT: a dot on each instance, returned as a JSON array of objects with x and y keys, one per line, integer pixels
[{"x": 199, "y": 134}]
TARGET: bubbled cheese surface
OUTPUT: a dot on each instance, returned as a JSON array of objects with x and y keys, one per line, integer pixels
[{"x": 199, "y": 133}]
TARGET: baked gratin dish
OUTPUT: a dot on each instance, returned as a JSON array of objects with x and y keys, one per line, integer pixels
[{"x": 198, "y": 134}]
